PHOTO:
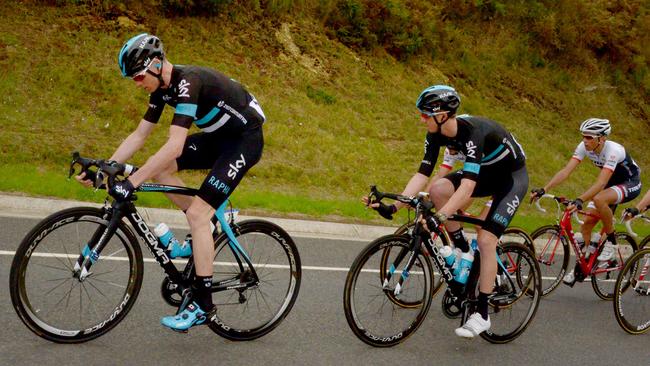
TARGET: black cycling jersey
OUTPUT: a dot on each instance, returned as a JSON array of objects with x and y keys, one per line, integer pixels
[
  {"x": 207, "y": 98},
  {"x": 483, "y": 142}
]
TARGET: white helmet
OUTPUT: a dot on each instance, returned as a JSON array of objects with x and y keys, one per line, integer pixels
[{"x": 596, "y": 127}]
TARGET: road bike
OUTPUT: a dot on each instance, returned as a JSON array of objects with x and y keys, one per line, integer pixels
[
  {"x": 78, "y": 272},
  {"x": 632, "y": 290},
  {"x": 553, "y": 253},
  {"x": 385, "y": 304}
]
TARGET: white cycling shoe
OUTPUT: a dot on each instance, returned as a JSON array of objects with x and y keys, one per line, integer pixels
[
  {"x": 474, "y": 326},
  {"x": 608, "y": 252}
]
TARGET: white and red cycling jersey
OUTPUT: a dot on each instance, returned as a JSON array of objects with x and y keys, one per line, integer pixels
[{"x": 613, "y": 157}]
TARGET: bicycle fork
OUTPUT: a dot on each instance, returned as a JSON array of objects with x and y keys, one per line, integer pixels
[{"x": 90, "y": 253}]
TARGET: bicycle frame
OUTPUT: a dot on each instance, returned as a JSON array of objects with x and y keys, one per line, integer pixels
[
  {"x": 434, "y": 253},
  {"x": 118, "y": 210},
  {"x": 586, "y": 264}
]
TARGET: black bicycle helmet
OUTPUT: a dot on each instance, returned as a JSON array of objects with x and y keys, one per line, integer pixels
[
  {"x": 438, "y": 98},
  {"x": 137, "y": 53}
]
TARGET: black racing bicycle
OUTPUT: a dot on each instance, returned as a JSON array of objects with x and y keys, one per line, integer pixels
[
  {"x": 78, "y": 272},
  {"x": 388, "y": 289}
]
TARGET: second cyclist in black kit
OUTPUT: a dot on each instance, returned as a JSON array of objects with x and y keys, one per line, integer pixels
[
  {"x": 229, "y": 144},
  {"x": 495, "y": 166}
]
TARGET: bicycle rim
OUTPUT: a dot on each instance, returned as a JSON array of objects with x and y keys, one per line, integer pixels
[
  {"x": 632, "y": 294},
  {"x": 249, "y": 313},
  {"x": 512, "y": 306},
  {"x": 371, "y": 314},
  {"x": 604, "y": 274},
  {"x": 553, "y": 253},
  {"x": 55, "y": 304}
]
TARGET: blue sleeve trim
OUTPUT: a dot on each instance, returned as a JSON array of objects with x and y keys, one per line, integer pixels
[
  {"x": 186, "y": 109},
  {"x": 471, "y": 167},
  {"x": 494, "y": 153}
]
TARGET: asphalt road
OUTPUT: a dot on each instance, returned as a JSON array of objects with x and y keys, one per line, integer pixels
[{"x": 572, "y": 327}]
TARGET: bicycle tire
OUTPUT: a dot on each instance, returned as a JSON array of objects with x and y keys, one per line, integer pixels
[
  {"x": 643, "y": 243},
  {"x": 518, "y": 259},
  {"x": 51, "y": 246},
  {"x": 604, "y": 283},
  {"x": 276, "y": 263},
  {"x": 631, "y": 298},
  {"x": 552, "y": 255},
  {"x": 359, "y": 295}
]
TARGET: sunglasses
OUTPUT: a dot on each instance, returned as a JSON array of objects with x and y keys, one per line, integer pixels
[
  {"x": 588, "y": 137},
  {"x": 140, "y": 76},
  {"x": 426, "y": 114}
]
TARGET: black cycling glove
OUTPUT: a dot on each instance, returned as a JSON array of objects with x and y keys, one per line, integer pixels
[
  {"x": 386, "y": 211},
  {"x": 631, "y": 212},
  {"x": 578, "y": 203},
  {"x": 539, "y": 192}
]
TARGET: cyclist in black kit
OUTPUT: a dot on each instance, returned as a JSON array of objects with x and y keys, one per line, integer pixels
[
  {"x": 495, "y": 166},
  {"x": 229, "y": 144}
]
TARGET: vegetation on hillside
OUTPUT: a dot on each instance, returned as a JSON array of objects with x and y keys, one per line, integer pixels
[{"x": 336, "y": 78}]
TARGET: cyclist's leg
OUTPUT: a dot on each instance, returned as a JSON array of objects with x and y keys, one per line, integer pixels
[
  {"x": 588, "y": 226},
  {"x": 232, "y": 163},
  {"x": 198, "y": 153}
]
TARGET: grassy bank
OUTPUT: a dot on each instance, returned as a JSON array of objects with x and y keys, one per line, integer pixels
[{"x": 339, "y": 117}]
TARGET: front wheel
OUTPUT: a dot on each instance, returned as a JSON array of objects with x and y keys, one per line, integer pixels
[
  {"x": 47, "y": 291},
  {"x": 553, "y": 255},
  {"x": 632, "y": 294},
  {"x": 246, "y": 313},
  {"x": 374, "y": 303}
]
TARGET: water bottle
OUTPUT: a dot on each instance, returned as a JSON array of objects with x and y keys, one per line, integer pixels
[
  {"x": 462, "y": 271},
  {"x": 169, "y": 242},
  {"x": 580, "y": 240},
  {"x": 448, "y": 253},
  {"x": 593, "y": 246}
]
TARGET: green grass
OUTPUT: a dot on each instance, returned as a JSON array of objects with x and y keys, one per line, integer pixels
[{"x": 338, "y": 119}]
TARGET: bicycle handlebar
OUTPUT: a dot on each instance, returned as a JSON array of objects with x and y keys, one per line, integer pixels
[
  {"x": 558, "y": 201},
  {"x": 109, "y": 168},
  {"x": 628, "y": 224},
  {"x": 375, "y": 196}
]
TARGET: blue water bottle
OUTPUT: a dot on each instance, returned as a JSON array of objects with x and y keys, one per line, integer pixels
[
  {"x": 462, "y": 270},
  {"x": 169, "y": 242}
]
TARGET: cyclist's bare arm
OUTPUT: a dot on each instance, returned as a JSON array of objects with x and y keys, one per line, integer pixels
[
  {"x": 601, "y": 183},
  {"x": 644, "y": 203},
  {"x": 560, "y": 176},
  {"x": 133, "y": 142},
  {"x": 444, "y": 170},
  {"x": 171, "y": 150}
]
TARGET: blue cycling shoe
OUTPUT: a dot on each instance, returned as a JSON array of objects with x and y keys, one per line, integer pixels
[{"x": 191, "y": 316}]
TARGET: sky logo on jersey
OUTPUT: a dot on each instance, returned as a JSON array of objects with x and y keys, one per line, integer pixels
[
  {"x": 219, "y": 185},
  {"x": 471, "y": 149},
  {"x": 234, "y": 169},
  {"x": 183, "y": 90},
  {"x": 512, "y": 206}
]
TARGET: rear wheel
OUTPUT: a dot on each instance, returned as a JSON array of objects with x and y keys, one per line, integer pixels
[
  {"x": 246, "y": 313},
  {"x": 604, "y": 274},
  {"x": 512, "y": 306}
]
